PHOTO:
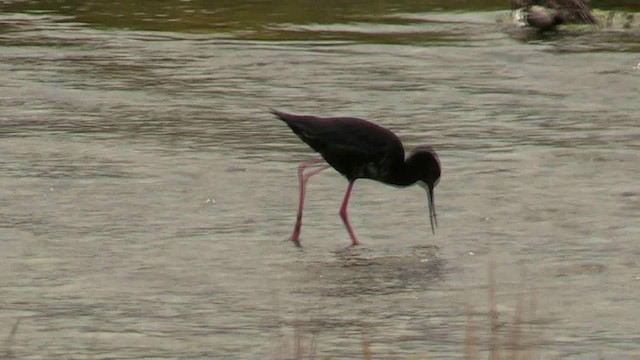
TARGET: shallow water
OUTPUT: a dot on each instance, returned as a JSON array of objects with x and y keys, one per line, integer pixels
[{"x": 147, "y": 193}]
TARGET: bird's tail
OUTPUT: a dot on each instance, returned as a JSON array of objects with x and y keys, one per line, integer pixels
[
  {"x": 281, "y": 115},
  {"x": 291, "y": 119}
]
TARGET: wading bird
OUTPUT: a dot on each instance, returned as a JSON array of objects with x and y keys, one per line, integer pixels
[{"x": 357, "y": 148}]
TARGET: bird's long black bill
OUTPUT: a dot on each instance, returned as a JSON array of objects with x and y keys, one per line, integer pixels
[{"x": 432, "y": 210}]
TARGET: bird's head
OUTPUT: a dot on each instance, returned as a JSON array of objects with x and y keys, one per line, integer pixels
[{"x": 426, "y": 165}]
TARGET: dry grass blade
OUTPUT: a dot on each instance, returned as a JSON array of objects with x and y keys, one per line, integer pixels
[
  {"x": 531, "y": 315},
  {"x": 280, "y": 342},
  {"x": 517, "y": 342},
  {"x": 302, "y": 348},
  {"x": 516, "y": 328},
  {"x": 366, "y": 350},
  {"x": 494, "y": 351},
  {"x": 313, "y": 344},
  {"x": 297, "y": 338},
  {"x": 470, "y": 351},
  {"x": 8, "y": 353}
]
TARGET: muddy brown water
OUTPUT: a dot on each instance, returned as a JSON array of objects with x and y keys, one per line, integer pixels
[{"x": 146, "y": 193}]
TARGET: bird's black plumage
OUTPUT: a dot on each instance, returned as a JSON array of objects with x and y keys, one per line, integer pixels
[
  {"x": 358, "y": 148},
  {"x": 354, "y": 147}
]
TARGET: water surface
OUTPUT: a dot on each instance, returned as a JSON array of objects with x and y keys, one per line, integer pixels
[{"x": 147, "y": 193}]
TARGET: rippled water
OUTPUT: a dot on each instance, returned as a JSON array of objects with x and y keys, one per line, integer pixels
[{"x": 147, "y": 193}]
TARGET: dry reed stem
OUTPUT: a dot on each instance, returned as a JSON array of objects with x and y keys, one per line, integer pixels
[
  {"x": 470, "y": 351},
  {"x": 366, "y": 350},
  {"x": 494, "y": 351},
  {"x": 530, "y": 316},
  {"x": 516, "y": 328},
  {"x": 8, "y": 353},
  {"x": 303, "y": 346},
  {"x": 297, "y": 338}
]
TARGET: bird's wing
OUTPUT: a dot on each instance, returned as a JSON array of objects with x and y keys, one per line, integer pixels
[
  {"x": 347, "y": 135},
  {"x": 367, "y": 139}
]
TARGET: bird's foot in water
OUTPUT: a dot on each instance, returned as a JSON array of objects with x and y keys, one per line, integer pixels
[{"x": 295, "y": 238}]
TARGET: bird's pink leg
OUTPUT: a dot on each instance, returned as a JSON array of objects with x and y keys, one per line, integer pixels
[
  {"x": 303, "y": 184},
  {"x": 345, "y": 216}
]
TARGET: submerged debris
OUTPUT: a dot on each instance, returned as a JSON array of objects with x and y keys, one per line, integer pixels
[{"x": 548, "y": 15}]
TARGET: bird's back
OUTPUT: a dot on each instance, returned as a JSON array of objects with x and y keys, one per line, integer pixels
[{"x": 355, "y": 147}]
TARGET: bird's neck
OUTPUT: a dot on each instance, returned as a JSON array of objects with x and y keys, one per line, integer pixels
[{"x": 405, "y": 174}]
